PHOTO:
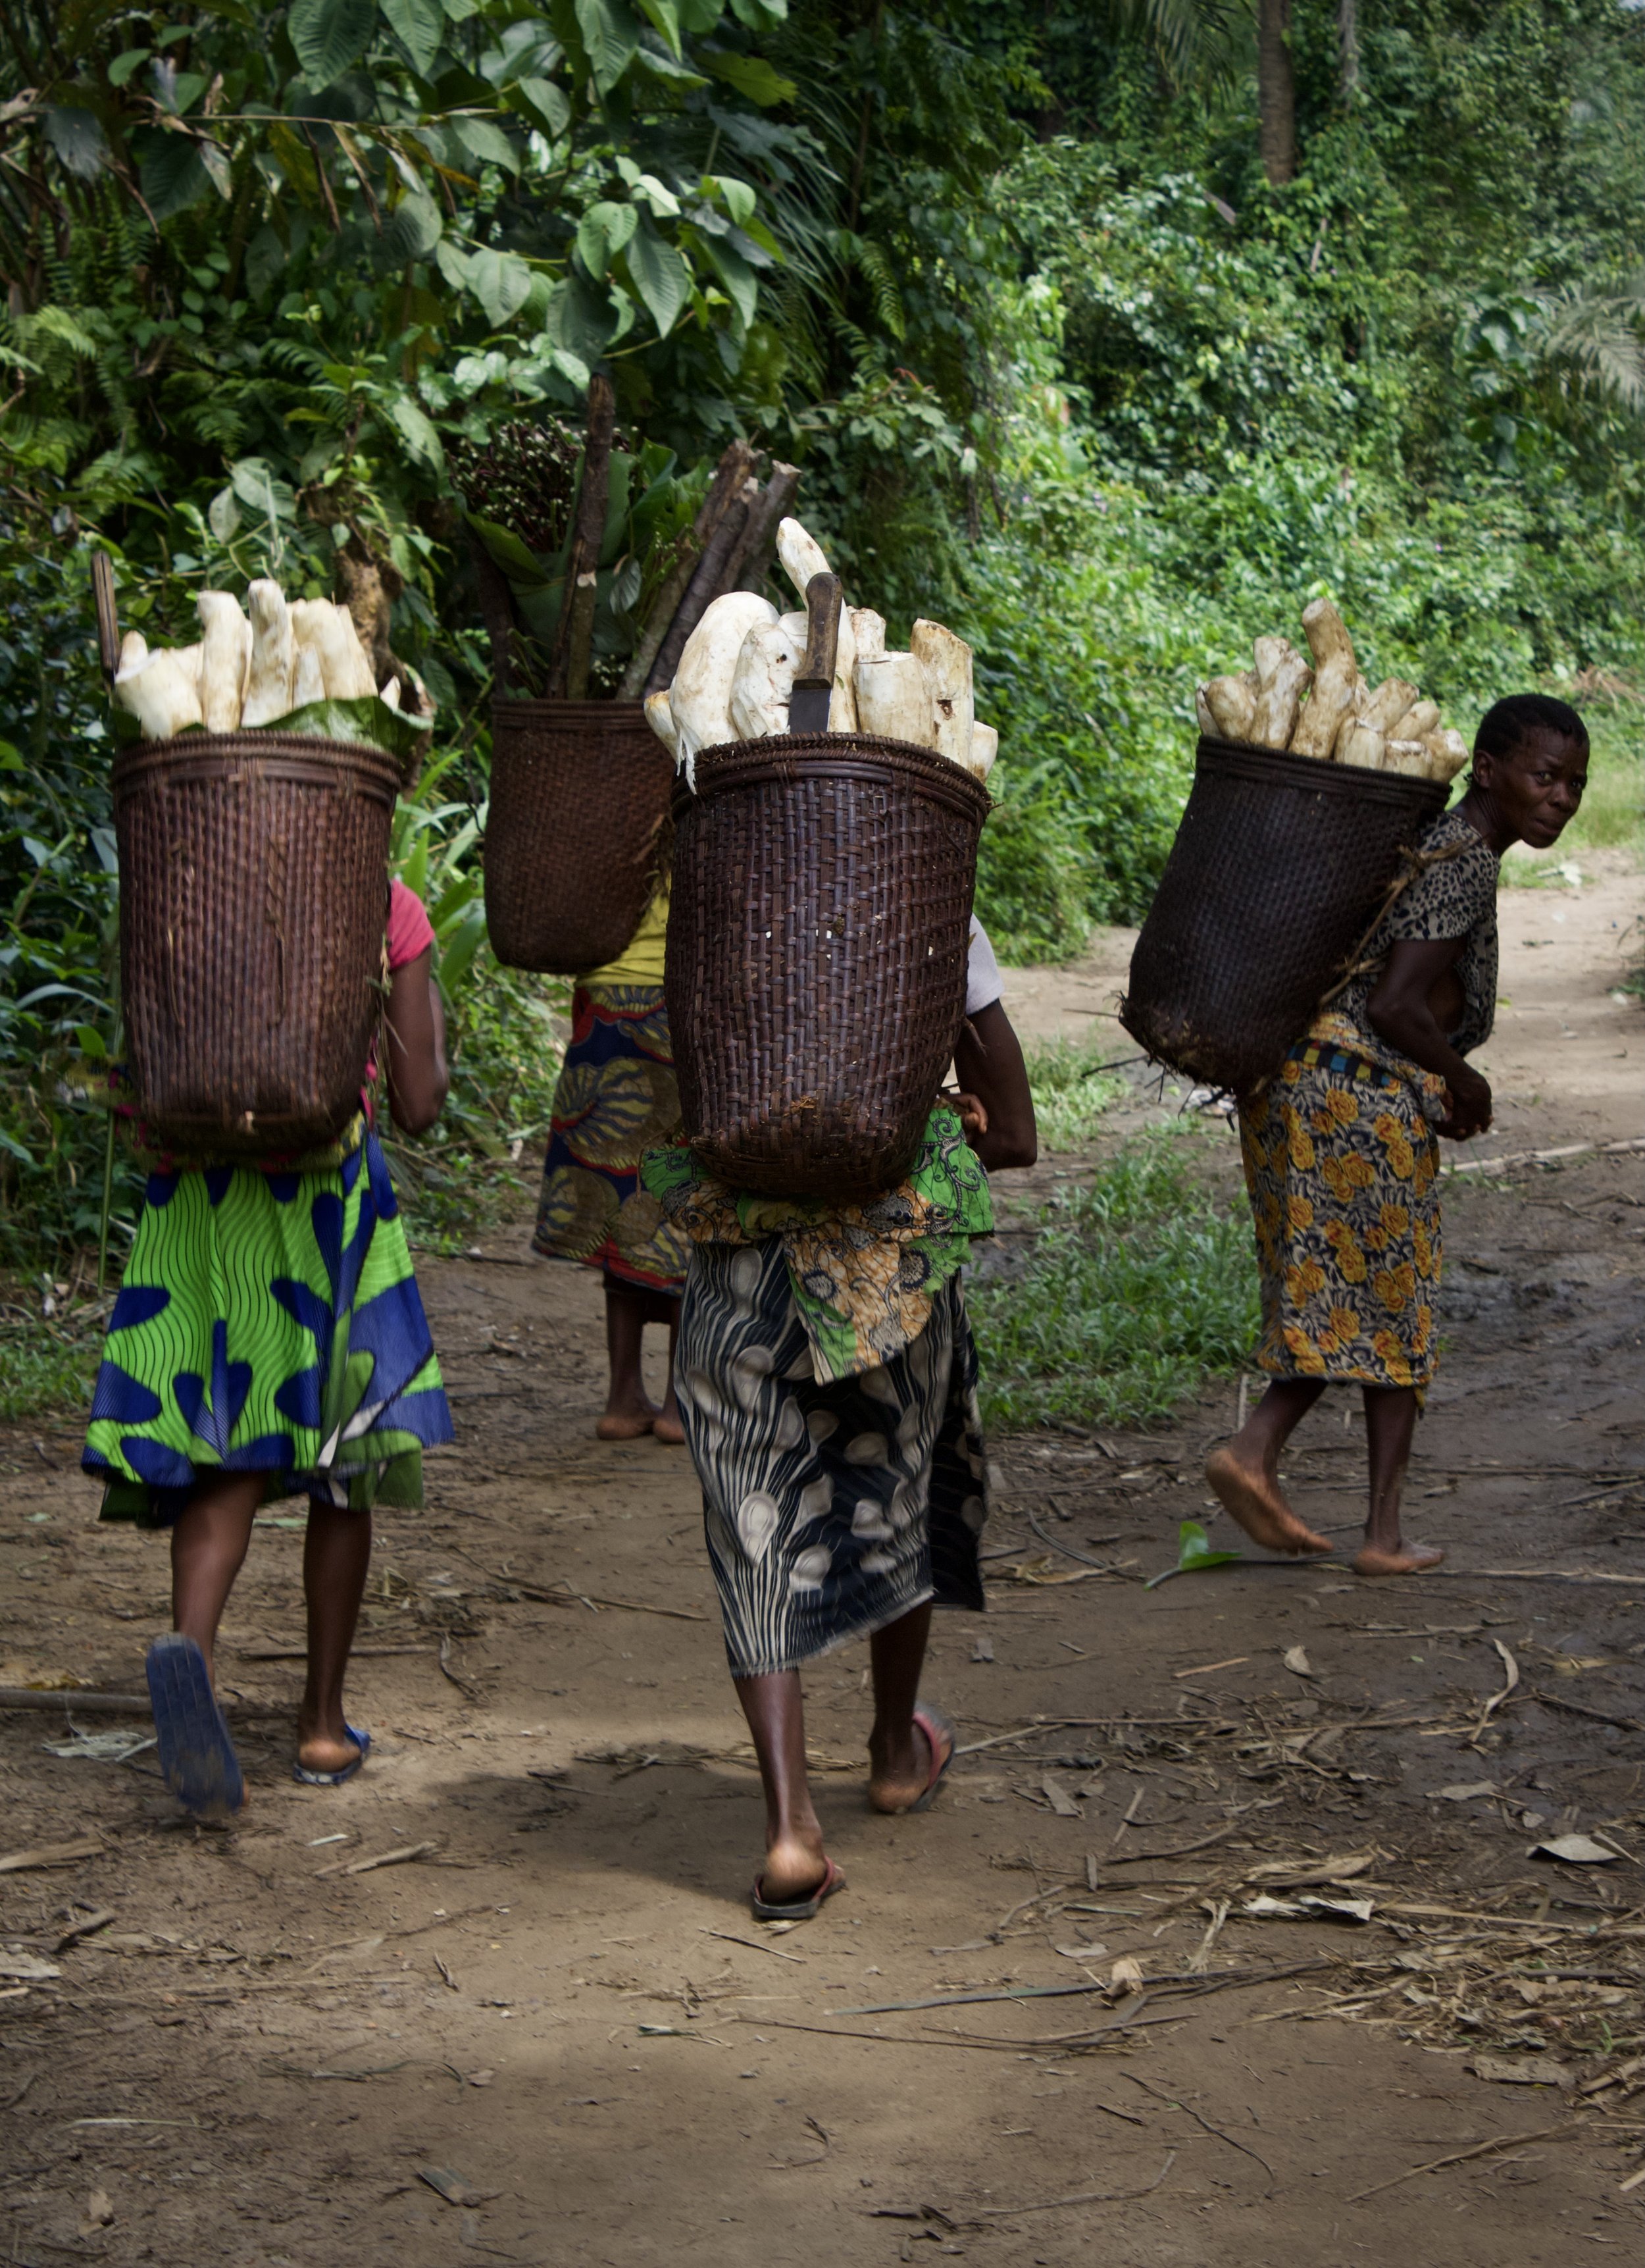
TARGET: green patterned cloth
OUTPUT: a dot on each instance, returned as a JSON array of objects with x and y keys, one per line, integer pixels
[
  {"x": 863, "y": 1276},
  {"x": 269, "y": 1321}
]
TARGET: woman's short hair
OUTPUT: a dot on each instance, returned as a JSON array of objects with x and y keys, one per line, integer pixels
[{"x": 1510, "y": 725}]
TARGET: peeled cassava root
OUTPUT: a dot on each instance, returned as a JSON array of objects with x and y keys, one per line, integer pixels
[
  {"x": 244, "y": 673},
  {"x": 1329, "y": 712},
  {"x": 735, "y": 676}
]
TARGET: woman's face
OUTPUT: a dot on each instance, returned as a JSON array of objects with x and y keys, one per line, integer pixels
[{"x": 1539, "y": 789}]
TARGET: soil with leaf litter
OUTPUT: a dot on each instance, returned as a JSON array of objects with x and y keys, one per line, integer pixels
[{"x": 1242, "y": 1931}]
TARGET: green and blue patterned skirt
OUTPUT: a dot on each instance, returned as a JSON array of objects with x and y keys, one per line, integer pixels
[{"x": 268, "y": 1322}]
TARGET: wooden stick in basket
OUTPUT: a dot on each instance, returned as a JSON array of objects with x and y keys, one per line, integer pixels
[
  {"x": 725, "y": 495},
  {"x": 752, "y": 555},
  {"x": 107, "y": 617},
  {"x": 573, "y": 637}
]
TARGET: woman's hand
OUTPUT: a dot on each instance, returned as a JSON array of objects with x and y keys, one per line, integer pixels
[
  {"x": 993, "y": 1089},
  {"x": 1470, "y": 1113},
  {"x": 972, "y": 1112},
  {"x": 417, "y": 1076}
]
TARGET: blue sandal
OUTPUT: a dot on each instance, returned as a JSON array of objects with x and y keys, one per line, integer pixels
[
  {"x": 362, "y": 1741},
  {"x": 196, "y": 1754}
]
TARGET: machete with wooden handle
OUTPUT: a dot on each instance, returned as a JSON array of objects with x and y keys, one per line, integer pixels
[{"x": 813, "y": 685}]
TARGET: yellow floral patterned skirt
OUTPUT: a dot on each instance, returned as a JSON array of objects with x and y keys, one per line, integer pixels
[{"x": 1341, "y": 1168}]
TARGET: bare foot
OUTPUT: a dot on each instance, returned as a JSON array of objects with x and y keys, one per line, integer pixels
[
  {"x": 795, "y": 1867},
  {"x": 1405, "y": 1560},
  {"x": 627, "y": 1424},
  {"x": 1250, "y": 1498},
  {"x": 325, "y": 1752},
  {"x": 666, "y": 1427},
  {"x": 899, "y": 1784}
]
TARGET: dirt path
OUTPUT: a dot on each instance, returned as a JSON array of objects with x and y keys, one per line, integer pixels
[{"x": 563, "y": 2006}]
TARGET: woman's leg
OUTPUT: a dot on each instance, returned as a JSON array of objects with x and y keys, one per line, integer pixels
[
  {"x": 795, "y": 1863},
  {"x": 628, "y": 1411},
  {"x": 336, "y": 1555},
  {"x": 667, "y": 1426},
  {"x": 209, "y": 1546},
  {"x": 899, "y": 1753},
  {"x": 1390, "y": 1425},
  {"x": 1244, "y": 1473}
]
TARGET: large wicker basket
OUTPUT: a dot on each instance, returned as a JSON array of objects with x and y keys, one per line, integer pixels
[
  {"x": 1279, "y": 863},
  {"x": 253, "y": 886},
  {"x": 579, "y": 801},
  {"x": 817, "y": 944}
]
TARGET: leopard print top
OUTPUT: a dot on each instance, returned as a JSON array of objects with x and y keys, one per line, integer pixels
[{"x": 1454, "y": 899}]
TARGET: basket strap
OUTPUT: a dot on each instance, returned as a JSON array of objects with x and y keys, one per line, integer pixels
[{"x": 1417, "y": 863}]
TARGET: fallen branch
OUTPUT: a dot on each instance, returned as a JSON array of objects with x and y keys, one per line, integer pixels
[
  {"x": 1479, "y": 2149},
  {"x": 1490, "y": 1166},
  {"x": 1578, "y": 1709},
  {"x": 28, "y": 1696},
  {"x": 1088, "y": 2196},
  {"x": 51, "y": 1854},
  {"x": 400, "y": 1858},
  {"x": 1497, "y": 1699}
]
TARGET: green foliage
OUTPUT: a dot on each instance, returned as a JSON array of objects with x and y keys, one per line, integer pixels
[
  {"x": 1071, "y": 1089},
  {"x": 1140, "y": 1285}
]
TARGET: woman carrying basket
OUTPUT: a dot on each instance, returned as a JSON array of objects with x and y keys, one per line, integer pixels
[
  {"x": 269, "y": 1340},
  {"x": 617, "y": 1096},
  {"x": 1340, "y": 1152},
  {"x": 827, "y": 1387}
]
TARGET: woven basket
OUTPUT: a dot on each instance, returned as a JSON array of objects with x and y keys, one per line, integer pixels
[
  {"x": 579, "y": 800},
  {"x": 253, "y": 886},
  {"x": 1279, "y": 863},
  {"x": 816, "y": 943}
]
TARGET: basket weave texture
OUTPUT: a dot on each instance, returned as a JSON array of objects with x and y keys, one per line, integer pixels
[
  {"x": 816, "y": 943},
  {"x": 1279, "y": 863},
  {"x": 253, "y": 888},
  {"x": 579, "y": 801}
]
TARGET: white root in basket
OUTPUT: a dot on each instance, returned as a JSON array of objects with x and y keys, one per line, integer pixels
[
  {"x": 1447, "y": 753},
  {"x": 268, "y": 686},
  {"x": 187, "y": 659},
  {"x": 868, "y": 632},
  {"x": 1407, "y": 756},
  {"x": 893, "y": 699},
  {"x": 308, "y": 679},
  {"x": 842, "y": 710},
  {"x": 161, "y": 695},
  {"x": 800, "y": 555},
  {"x": 1282, "y": 678},
  {"x": 226, "y": 646},
  {"x": 1336, "y": 681},
  {"x": 390, "y": 695},
  {"x": 660, "y": 717},
  {"x": 1388, "y": 704},
  {"x": 329, "y": 632},
  {"x": 361, "y": 675},
  {"x": 700, "y": 695},
  {"x": 1232, "y": 701},
  {"x": 134, "y": 651},
  {"x": 762, "y": 684},
  {"x": 985, "y": 746},
  {"x": 1202, "y": 712},
  {"x": 1363, "y": 745},
  {"x": 1419, "y": 720},
  {"x": 947, "y": 660}
]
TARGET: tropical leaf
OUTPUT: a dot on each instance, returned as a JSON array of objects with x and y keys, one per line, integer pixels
[
  {"x": 420, "y": 27},
  {"x": 329, "y": 35},
  {"x": 660, "y": 278},
  {"x": 611, "y": 39}
]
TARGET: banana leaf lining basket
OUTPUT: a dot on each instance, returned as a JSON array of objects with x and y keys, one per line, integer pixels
[
  {"x": 1280, "y": 862},
  {"x": 817, "y": 947},
  {"x": 575, "y": 837},
  {"x": 253, "y": 890}
]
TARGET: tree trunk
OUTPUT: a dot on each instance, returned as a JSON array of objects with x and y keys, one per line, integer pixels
[
  {"x": 1348, "y": 48},
  {"x": 1276, "y": 91}
]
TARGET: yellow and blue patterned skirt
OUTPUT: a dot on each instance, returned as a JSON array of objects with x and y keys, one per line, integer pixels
[{"x": 1342, "y": 1166}]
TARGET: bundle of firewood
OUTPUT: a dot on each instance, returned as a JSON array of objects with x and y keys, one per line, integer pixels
[{"x": 1329, "y": 712}]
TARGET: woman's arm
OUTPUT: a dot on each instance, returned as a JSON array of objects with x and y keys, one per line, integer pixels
[
  {"x": 1400, "y": 1014},
  {"x": 989, "y": 1063},
  {"x": 417, "y": 1076}
]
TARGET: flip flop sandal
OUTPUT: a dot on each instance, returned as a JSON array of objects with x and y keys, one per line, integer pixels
[
  {"x": 942, "y": 1734},
  {"x": 196, "y": 1755},
  {"x": 798, "y": 1908},
  {"x": 362, "y": 1741}
]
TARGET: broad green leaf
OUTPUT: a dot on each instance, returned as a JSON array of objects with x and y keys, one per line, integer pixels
[
  {"x": 421, "y": 437},
  {"x": 518, "y": 561},
  {"x": 223, "y": 515},
  {"x": 663, "y": 204},
  {"x": 217, "y": 166},
  {"x": 701, "y": 16},
  {"x": 665, "y": 18},
  {"x": 572, "y": 367},
  {"x": 170, "y": 173},
  {"x": 92, "y": 1040},
  {"x": 500, "y": 282},
  {"x": 329, "y": 35},
  {"x": 751, "y": 76},
  {"x": 412, "y": 230},
  {"x": 486, "y": 143},
  {"x": 737, "y": 197},
  {"x": 546, "y": 102},
  {"x": 666, "y": 71},
  {"x": 369, "y": 719},
  {"x": 420, "y": 27},
  {"x": 660, "y": 278},
  {"x": 602, "y": 232},
  {"x": 122, "y": 67},
  {"x": 452, "y": 262},
  {"x": 76, "y": 137},
  {"x": 760, "y": 15},
  {"x": 260, "y": 491},
  {"x": 611, "y": 35},
  {"x": 1193, "y": 1556},
  {"x": 736, "y": 274},
  {"x": 458, "y": 11}
]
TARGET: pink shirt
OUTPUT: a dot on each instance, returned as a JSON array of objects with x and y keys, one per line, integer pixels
[{"x": 410, "y": 931}]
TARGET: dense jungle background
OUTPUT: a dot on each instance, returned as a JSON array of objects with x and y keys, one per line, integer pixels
[{"x": 1108, "y": 332}]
